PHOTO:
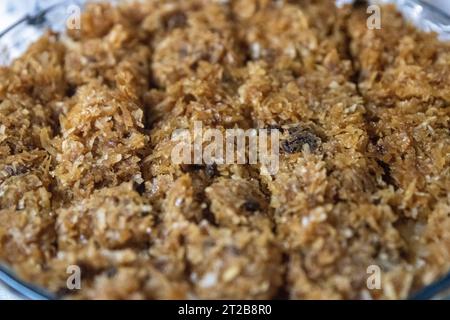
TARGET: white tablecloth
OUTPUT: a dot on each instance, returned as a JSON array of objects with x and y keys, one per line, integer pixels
[{"x": 5, "y": 294}]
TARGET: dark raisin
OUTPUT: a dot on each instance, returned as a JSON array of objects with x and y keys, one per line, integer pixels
[
  {"x": 71, "y": 91},
  {"x": 9, "y": 170},
  {"x": 387, "y": 174},
  {"x": 274, "y": 127},
  {"x": 175, "y": 20},
  {"x": 235, "y": 251},
  {"x": 359, "y": 4},
  {"x": 139, "y": 187},
  {"x": 144, "y": 214},
  {"x": 299, "y": 137},
  {"x": 211, "y": 170},
  {"x": 12, "y": 170},
  {"x": 208, "y": 215},
  {"x": 251, "y": 205},
  {"x": 295, "y": 130},
  {"x": 189, "y": 98},
  {"x": 191, "y": 167},
  {"x": 111, "y": 272},
  {"x": 208, "y": 243},
  {"x": 88, "y": 271}
]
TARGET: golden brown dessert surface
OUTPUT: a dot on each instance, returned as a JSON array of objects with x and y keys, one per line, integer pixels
[{"x": 86, "y": 177}]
